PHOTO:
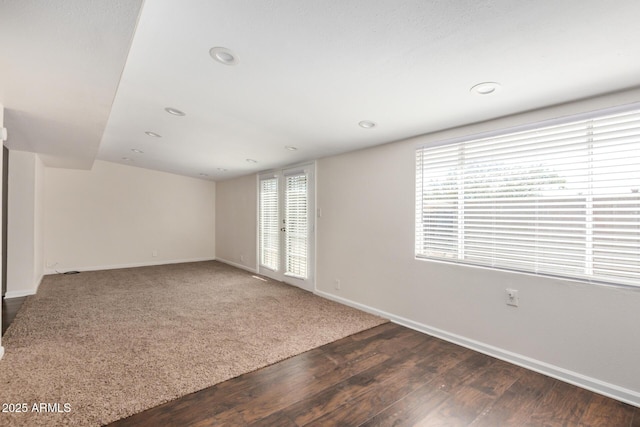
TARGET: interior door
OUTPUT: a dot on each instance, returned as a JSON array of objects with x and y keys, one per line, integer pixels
[{"x": 286, "y": 225}]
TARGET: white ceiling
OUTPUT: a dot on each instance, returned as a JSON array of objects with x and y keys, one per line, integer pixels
[
  {"x": 60, "y": 64},
  {"x": 308, "y": 72}
]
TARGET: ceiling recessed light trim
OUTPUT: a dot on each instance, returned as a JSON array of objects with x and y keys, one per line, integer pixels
[
  {"x": 367, "y": 124},
  {"x": 135, "y": 150},
  {"x": 251, "y": 161},
  {"x": 174, "y": 111},
  {"x": 485, "y": 88},
  {"x": 223, "y": 55},
  {"x": 127, "y": 159},
  {"x": 222, "y": 169},
  {"x": 290, "y": 147},
  {"x": 153, "y": 134},
  {"x": 204, "y": 174}
]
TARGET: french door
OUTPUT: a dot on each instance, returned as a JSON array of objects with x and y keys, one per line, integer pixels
[{"x": 286, "y": 225}]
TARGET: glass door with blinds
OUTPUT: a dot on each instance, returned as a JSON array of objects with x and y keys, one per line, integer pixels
[{"x": 286, "y": 225}]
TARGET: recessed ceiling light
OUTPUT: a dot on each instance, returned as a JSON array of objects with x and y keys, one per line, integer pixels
[
  {"x": 222, "y": 169},
  {"x": 485, "y": 88},
  {"x": 252, "y": 161},
  {"x": 135, "y": 150},
  {"x": 174, "y": 111},
  {"x": 153, "y": 134},
  {"x": 290, "y": 148},
  {"x": 127, "y": 159},
  {"x": 367, "y": 124},
  {"x": 204, "y": 174},
  {"x": 223, "y": 55}
]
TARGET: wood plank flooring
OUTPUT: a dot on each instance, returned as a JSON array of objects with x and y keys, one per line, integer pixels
[
  {"x": 390, "y": 376},
  {"x": 10, "y": 307}
]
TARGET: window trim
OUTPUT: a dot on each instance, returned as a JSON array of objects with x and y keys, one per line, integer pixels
[
  {"x": 577, "y": 280},
  {"x": 503, "y": 132},
  {"x": 530, "y": 126}
]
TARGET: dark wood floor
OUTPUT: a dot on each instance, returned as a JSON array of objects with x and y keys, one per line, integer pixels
[
  {"x": 390, "y": 376},
  {"x": 10, "y": 308}
]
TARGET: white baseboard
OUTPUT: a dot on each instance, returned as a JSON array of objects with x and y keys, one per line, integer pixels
[
  {"x": 24, "y": 292},
  {"x": 240, "y": 266},
  {"x": 130, "y": 265},
  {"x": 601, "y": 387},
  {"x": 20, "y": 293}
]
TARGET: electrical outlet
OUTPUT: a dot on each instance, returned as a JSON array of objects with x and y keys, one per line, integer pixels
[
  {"x": 512, "y": 297},
  {"x": 336, "y": 284},
  {"x": 154, "y": 253}
]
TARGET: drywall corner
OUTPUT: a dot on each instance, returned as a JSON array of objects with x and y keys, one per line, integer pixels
[
  {"x": 38, "y": 221},
  {"x": 236, "y": 219},
  {"x": 22, "y": 241}
]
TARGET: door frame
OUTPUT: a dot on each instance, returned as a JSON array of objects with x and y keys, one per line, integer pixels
[
  {"x": 309, "y": 283},
  {"x": 5, "y": 215}
]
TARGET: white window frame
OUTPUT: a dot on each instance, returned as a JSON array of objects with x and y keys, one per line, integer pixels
[{"x": 456, "y": 252}]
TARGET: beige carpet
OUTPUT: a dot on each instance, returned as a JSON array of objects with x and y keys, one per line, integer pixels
[{"x": 113, "y": 343}]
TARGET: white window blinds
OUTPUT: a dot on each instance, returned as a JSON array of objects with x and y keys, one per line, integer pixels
[
  {"x": 269, "y": 227},
  {"x": 560, "y": 200},
  {"x": 297, "y": 224}
]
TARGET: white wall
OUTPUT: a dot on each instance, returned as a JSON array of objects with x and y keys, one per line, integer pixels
[
  {"x": 38, "y": 220},
  {"x": 585, "y": 334},
  {"x": 236, "y": 210},
  {"x": 117, "y": 216},
  {"x": 24, "y": 231}
]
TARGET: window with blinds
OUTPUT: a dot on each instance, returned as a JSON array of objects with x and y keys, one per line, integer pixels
[
  {"x": 560, "y": 200},
  {"x": 297, "y": 225},
  {"x": 269, "y": 227}
]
